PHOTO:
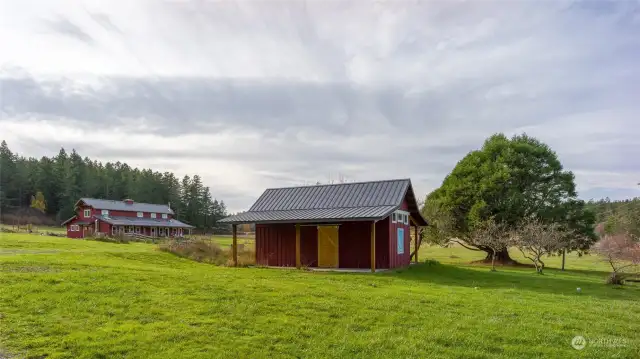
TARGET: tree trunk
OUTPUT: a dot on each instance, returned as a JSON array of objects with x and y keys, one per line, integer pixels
[
  {"x": 493, "y": 262},
  {"x": 501, "y": 257}
]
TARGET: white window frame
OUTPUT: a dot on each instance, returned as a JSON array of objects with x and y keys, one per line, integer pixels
[
  {"x": 153, "y": 215},
  {"x": 400, "y": 216},
  {"x": 130, "y": 229},
  {"x": 164, "y": 216},
  {"x": 85, "y": 213},
  {"x": 74, "y": 228},
  {"x": 105, "y": 213},
  {"x": 140, "y": 214}
]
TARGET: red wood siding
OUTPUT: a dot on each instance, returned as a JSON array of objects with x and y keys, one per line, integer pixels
[
  {"x": 354, "y": 245},
  {"x": 276, "y": 245},
  {"x": 73, "y": 234},
  {"x": 382, "y": 243},
  {"x": 104, "y": 227},
  {"x": 399, "y": 260},
  {"x": 80, "y": 212},
  {"x": 308, "y": 246}
]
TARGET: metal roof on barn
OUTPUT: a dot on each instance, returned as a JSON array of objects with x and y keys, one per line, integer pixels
[
  {"x": 124, "y": 206},
  {"x": 342, "y": 202}
]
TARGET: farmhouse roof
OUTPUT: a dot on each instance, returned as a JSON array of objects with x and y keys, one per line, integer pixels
[
  {"x": 76, "y": 222},
  {"x": 126, "y": 205},
  {"x": 331, "y": 203},
  {"x": 144, "y": 222}
]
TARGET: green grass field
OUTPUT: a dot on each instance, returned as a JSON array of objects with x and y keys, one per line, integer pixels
[{"x": 62, "y": 298}]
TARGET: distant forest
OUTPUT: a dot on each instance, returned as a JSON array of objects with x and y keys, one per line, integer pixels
[
  {"x": 623, "y": 214},
  {"x": 52, "y": 186}
]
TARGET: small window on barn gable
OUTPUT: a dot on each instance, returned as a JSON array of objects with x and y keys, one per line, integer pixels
[
  {"x": 105, "y": 212},
  {"x": 153, "y": 215},
  {"x": 164, "y": 216},
  {"x": 87, "y": 213},
  {"x": 140, "y": 214}
]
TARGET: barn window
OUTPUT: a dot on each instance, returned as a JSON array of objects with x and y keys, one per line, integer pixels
[
  {"x": 87, "y": 213},
  {"x": 105, "y": 212},
  {"x": 406, "y": 219},
  {"x": 153, "y": 215},
  {"x": 140, "y": 214},
  {"x": 164, "y": 216},
  {"x": 393, "y": 217},
  {"x": 400, "y": 240}
]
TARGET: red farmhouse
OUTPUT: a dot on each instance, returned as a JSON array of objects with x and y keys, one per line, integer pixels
[
  {"x": 120, "y": 217},
  {"x": 348, "y": 225}
]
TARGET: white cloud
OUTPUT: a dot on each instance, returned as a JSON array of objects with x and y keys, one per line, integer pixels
[{"x": 261, "y": 94}]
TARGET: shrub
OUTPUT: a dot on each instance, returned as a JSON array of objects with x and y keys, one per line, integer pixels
[{"x": 207, "y": 252}]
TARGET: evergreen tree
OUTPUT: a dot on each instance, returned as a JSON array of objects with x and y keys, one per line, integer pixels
[{"x": 54, "y": 184}]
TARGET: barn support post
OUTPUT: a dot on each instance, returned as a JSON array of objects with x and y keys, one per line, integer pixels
[
  {"x": 416, "y": 242},
  {"x": 298, "y": 264},
  {"x": 373, "y": 246},
  {"x": 234, "y": 246}
]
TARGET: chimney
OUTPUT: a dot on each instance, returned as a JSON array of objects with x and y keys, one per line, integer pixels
[{"x": 128, "y": 201}]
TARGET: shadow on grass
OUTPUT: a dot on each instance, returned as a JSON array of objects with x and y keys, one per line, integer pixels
[{"x": 553, "y": 282}]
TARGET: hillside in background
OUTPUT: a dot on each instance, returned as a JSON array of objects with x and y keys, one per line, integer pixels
[{"x": 61, "y": 180}]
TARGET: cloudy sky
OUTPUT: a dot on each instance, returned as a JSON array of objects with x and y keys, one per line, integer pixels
[{"x": 272, "y": 93}]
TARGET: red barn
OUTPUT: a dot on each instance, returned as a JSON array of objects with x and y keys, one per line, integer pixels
[
  {"x": 347, "y": 225},
  {"x": 123, "y": 217}
]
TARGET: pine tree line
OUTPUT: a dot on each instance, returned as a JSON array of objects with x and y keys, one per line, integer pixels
[{"x": 65, "y": 178}]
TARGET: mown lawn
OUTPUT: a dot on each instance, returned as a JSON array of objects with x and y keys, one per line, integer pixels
[{"x": 62, "y": 298}]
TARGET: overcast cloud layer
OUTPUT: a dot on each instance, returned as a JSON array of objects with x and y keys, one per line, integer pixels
[{"x": 271, "y": 93}]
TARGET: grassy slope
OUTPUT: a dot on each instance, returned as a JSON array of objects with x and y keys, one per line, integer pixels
[{"x": 83, "y": 299}]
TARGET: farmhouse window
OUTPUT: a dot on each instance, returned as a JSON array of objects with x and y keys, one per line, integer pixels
[
  {"x": 393, "y": 217},
  {"x": 105, "y": 212},
  {"x": 153, "y": 215},
  {"x": 87, "y": 213},
  {"x": 130, "y": 229},
  {"x": 140, "y": 215},
  {"x": 164, "y": 216},
  {"x": 406, "y": 219},
  {"x": 137, "y": 230}
]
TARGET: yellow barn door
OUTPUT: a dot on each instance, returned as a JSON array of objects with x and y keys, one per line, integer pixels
[{"x": 328, "y": 246}]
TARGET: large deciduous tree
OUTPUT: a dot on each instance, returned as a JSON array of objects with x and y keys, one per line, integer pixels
[{"x": 507, "y": 180}]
